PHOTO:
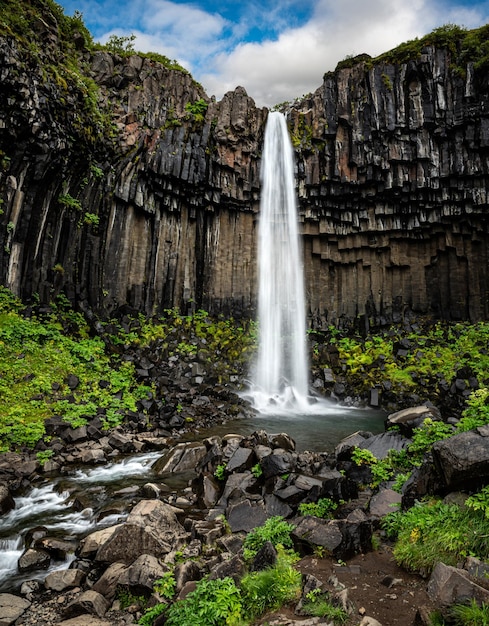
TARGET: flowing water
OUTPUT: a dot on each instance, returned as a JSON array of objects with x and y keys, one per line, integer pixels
[
  {"x": 72, "y": 506},
  {"x": 280, "y": 376},
  {"x": 69, "y": 507}
]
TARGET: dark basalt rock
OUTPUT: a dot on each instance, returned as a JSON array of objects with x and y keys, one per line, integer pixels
[{"x": 392, "y": 178}]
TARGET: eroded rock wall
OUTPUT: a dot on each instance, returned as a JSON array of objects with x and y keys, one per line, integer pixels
[
  {"x": 392, "y": 172},
  {"x": 393, "y": 176}
]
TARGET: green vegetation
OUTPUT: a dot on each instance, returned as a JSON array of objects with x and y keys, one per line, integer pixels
[
  {"x": 411, "y": 362},
  {"x": 37, "y": 357},
  {"x": 275, "y": 529},
  {"x": 39, "y": 354},
  {"x": 464, "y": 46},
  {"x": 470, "y": 614},
  {"x": 223, "y": 602},
  {"x": 197, "y": 109},
  {"x": 324, "y": 508},
  {"x": 318, "y": 604},
  {"x": 220, "y": 472},
  {"x": 434, "y": 531}
]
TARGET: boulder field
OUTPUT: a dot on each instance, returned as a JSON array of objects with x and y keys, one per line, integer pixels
[{"x": 237, "y": 483}]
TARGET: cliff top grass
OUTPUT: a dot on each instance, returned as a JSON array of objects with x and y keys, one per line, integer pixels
[{"x": 465, "y": 46}]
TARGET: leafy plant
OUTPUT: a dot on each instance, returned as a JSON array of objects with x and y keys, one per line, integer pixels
[
  {"x": 69, "y": 201},
  {"x": 220, "y": 472},
  {"x": 257, "y": 470},
  {"x": 197, "y": 109},
  {"x": 271, "y": 588},
  {"x": 275, "y": 529},
  {"x": 213, "y": 603},
  {"x": 43, "y": 456},
  {"x": 318, "y": 604},
  {"x": 435, "y": 531},
  {"x": 323, "y": 508},
  {"x": 471, "y": 614},
  {"x": 479, "y": 501},
  {"x": 166, "y": 585},
  {"x": 149, "y": 616}
]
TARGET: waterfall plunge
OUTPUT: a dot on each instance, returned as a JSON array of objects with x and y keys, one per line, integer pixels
[{"x": 281, "y": 370}]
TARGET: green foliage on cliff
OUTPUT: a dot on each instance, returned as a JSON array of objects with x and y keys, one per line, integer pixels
[
  {"x": 37, "y": 360},
  {"x": 465, "y": 46},
  {"x": 410, "y": 361}
]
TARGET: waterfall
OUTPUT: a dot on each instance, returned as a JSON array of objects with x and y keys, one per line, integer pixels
[{"x": 280, "y": 375}]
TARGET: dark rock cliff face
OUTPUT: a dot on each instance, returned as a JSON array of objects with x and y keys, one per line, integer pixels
[{"x": 392, "y": 171}]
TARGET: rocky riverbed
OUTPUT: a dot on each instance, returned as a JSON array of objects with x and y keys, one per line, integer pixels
[{"x": 234, "y": 483}]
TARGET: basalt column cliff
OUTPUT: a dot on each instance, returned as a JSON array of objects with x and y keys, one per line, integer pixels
[{"x": 129, "y": 186}]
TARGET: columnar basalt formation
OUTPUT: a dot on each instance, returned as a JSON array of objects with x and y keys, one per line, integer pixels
[{"x": 160, "y": 212}]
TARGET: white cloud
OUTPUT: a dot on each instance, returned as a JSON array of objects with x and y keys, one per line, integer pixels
[{"x": 293, "y": 63}]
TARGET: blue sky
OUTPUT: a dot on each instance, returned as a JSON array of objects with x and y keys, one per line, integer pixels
[{"x": 276, "y": 49}]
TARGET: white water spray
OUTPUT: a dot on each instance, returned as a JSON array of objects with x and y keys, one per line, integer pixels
[{"x": 281, "y": 373}]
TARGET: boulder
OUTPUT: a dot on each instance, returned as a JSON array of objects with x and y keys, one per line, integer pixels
[
  {"x": 463, "y": 460},
  {"x": 381, "y": 445},
  {"x": 11, "y": 608},
  {"x": 64, "y": 579},
  {"x": 245, "y": 515},
  {"x": 450, "y": 585},
  {"x": 412, "y": 417},
  {"x": 33, "y": 559},
  {"x": 311, "y": 532},
  {"x": 141, "y": 575},
  {"x": 151, "y": 528},
  {"x": 88, "y": 602},
  {"x": 7, "y": 502},
  {"x": 107, "y": 584},
  {"x": 121, "y": 442},
  {"x": 183, "y": 457},
  {"x": 92, "y": 543},
  {"x": 384, "y": 502},
  {"x": 277, "y": 464}
]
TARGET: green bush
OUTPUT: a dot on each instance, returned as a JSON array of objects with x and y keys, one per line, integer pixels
[
  {"x": 435, "y": 531},
  {"x": 269, "y": 589},
  {"x": 318, "y": 604},
  {"x": 323, "y": 508},
  {"x": 470, "y": 614},
  {"x": 275, "y": 529},
  {"x": 212, "y": 603}
]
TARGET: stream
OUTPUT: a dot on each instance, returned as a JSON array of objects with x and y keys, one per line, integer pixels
[{"x": 73, "y": 505}]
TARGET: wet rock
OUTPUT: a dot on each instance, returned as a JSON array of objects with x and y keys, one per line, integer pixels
[
  {"x": 11, "y": 608},
  {"x": 33, "y": 559},
  {"x": 7, "y": 502},
  {"x": 183, "y": 457},
  {"x": 64, "y": 579},
  {"x": 57, "y": 548},
  {"x": 150, "y": 528}
]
